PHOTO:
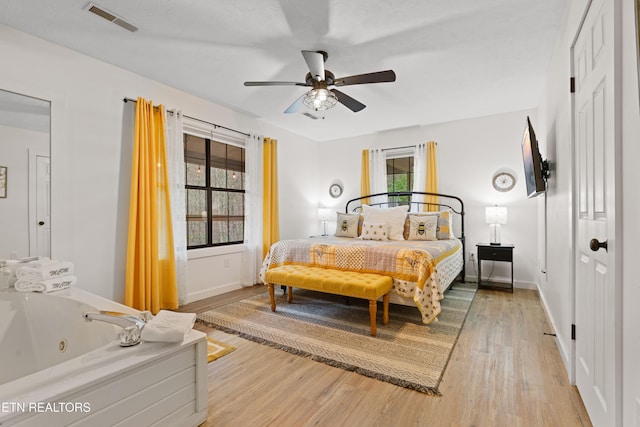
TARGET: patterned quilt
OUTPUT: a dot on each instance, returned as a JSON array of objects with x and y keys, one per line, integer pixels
[{"x": 412, "y": 264}]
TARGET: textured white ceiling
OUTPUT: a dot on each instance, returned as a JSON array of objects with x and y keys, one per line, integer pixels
[{"x": 453, "y": 59}]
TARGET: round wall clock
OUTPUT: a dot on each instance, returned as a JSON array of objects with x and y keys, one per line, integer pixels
[
  {"x": 335, "y": 190},
  {"x": 503, "y": 181}
]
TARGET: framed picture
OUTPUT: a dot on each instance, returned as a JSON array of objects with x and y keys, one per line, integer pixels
[{"x": 3, "y": 182}]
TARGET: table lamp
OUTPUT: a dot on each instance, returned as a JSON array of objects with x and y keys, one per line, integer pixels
[
  {"x": 325, "y": 215},
  {"x": 495, "y": 216}
]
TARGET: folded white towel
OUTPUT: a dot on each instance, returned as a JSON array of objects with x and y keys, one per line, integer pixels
[
  {"x": 168, "y": 326},
  {"x": 49, "y": 285},
  {"x": 44, "y": 270},
  {"x": 38, "y": 262}
]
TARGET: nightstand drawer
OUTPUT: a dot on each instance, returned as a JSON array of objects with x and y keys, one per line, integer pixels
[{"x": 495, "y": 253}]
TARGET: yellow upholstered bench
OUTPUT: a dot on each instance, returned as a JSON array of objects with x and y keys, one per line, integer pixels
[{"x": 347, "y": 283}]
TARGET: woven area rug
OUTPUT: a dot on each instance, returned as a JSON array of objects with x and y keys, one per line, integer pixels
[
  {"x": 323, "y": 327},
  {"x": 217, "y": 349}
]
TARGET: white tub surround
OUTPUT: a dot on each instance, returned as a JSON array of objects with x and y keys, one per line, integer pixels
[{"x": 60, "y": 370}]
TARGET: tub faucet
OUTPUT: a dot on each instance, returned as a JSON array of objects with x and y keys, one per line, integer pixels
[{"x": 131, "y": 325}]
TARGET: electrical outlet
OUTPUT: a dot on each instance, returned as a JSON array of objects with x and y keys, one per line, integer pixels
[
  {"x": 226, "y": 263},
  {"x": 472, "y": 256}
]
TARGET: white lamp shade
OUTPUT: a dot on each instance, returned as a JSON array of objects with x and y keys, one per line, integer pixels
[
  {"x": 495, "y": 215},
  {"x": 325, "y": 214}
]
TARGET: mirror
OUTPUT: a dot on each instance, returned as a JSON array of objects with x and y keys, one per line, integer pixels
[
  {"x": 637, "y": 22},
  {"x": 25, "y": 187}
]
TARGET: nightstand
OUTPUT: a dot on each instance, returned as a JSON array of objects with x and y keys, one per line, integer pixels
[{"x": 488, "y": 252}]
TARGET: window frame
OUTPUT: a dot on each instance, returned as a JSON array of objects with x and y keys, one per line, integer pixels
[
  {"x": 392, "y": 156},
  {"x": 210, "y": 138}
]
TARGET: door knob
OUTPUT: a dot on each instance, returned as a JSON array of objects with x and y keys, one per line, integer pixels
[
  {"x": 41, "y": 223},
  {"x": 595, "y": 245}
]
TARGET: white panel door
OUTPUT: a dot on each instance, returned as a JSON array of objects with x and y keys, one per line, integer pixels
[
  {"x": 43, "y": 206},
  {"x": 39, "y": 205},
  {"x": 595, "y": 288}
]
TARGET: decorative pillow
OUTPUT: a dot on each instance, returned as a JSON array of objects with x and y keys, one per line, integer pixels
[
  {"x": 422, "y": 227},
  {"x": 444, "y": 229},
  {"x": 347, "y": 224},
  {"x": 394, "y": 217},
  {"x": 407, "y": 222},
  {"x": 445, "y": 226},
  {"x": 374, "y": 231}
]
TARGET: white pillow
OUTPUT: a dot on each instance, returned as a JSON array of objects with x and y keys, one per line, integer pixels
[
  {"x": 422, "y": 227},
  {"x": 374, "y": 231},
  {"x": 394, "y": 217},
  {"x": 347, "y": 224}
]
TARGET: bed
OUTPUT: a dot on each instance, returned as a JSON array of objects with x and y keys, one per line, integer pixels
[{"x": 387, "y": 234}]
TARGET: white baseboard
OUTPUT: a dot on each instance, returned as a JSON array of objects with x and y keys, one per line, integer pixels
[
  {"x": 525, "y": 285},
  {"x": 212, "y": 292},
  {"x": 565, "y": 353},
  {"x": 518, "y": 284}
]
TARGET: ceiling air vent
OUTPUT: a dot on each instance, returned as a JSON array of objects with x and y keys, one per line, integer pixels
[
  {"x": 93, "y": 8},
  {"x": 311, "y": 116}
]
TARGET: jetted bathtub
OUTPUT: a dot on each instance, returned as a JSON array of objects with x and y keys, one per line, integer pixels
[{"x": 56, "y": 369}]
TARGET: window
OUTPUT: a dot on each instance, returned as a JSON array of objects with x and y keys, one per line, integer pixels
[
  {"x": 214, "y": 191},
  {"x": 399, "y": 178}
]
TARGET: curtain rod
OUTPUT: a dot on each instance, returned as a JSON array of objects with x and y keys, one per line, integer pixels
[
  {"x": 200, "y": 120},
  {"x": 217, "y": 126},
  {"x": 398, "y": 148},
  {"x": 401, "y": 148}
]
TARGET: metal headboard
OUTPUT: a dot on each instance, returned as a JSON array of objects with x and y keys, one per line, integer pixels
[{"x": 354, "y": 205}]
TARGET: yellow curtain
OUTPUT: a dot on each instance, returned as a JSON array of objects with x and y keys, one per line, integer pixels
[
  {"x": 151, "y": 271},
  {"x": 270, "y": 217},
  {"x": 365, "y": 180},
  {"x": 432, "y": 176}
]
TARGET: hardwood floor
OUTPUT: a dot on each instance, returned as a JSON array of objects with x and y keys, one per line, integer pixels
[{"x": 503, "y": 372}]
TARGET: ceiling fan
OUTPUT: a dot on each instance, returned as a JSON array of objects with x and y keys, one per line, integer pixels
[{"x": 321, "y": 98}]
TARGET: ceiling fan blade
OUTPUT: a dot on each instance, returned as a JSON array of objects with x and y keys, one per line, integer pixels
[
  {"x": 274, "y": 84},
  {"x": 315, "y": 62},
  {"x": 299, "y": 107},
  {"x": 377, "y": 77},
  {"x": 296, "y": 106},
  {"x": 348, "y": 101}
]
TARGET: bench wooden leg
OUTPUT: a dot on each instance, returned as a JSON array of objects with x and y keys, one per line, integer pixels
[
  {"x": 272, "y": 296},
  {"x": 385, "y": 305},
  {"x": 289, "y": 294},
  {"x": 373, "y": 307}
]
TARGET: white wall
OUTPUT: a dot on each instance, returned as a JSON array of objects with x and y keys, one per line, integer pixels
[
  {"x": 556, "y": 288},
  {"x": 469, "y": 152},
  {"x": 15, "y": 144},
  {"x": 91, "y": 161},
  {"x": 557, "y": 291}
]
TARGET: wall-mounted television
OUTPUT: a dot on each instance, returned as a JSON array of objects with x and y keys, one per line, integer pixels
[{"x": 536, "y": 170}]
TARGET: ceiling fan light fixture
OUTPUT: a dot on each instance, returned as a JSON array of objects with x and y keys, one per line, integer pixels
[{"x": 320, "y": 99}]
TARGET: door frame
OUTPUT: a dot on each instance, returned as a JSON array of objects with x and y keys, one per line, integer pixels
[{"x": 614, "y": 241}]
